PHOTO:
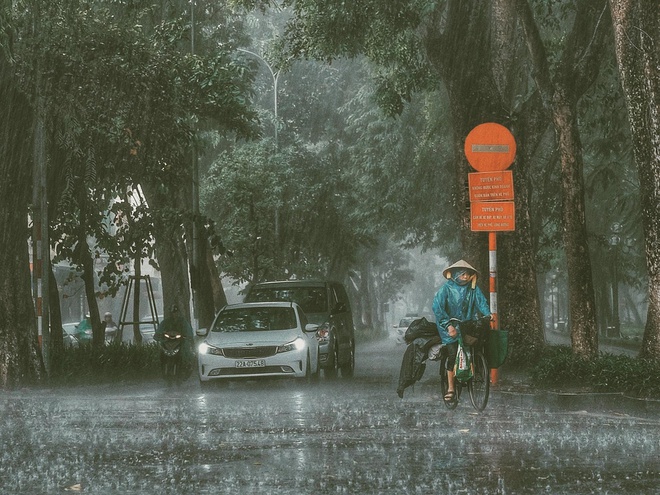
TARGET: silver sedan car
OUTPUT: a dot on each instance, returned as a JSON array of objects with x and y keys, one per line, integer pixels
[{"x": 259, "y": 339}]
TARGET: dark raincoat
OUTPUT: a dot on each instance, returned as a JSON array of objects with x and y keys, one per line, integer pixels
[{"x": 413, "y": 363}]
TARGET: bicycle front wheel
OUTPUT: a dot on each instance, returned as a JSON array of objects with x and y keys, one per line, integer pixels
[{"x": 479, "y": 385}]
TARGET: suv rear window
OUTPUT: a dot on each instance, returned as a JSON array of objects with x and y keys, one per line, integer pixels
[{"x": 310, "y": 299}]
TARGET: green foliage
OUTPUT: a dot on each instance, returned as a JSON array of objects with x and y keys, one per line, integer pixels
[
  {"x": 116, "y": 362},
  {"x": 122, "y": 99},
  {"x": 276, "y": 211},
  {"x": 559, "y": 367}
]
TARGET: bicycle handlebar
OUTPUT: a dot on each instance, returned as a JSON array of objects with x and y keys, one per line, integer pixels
[{"x": 480, "y": 318}]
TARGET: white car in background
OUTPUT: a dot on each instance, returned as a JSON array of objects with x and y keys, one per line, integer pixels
[
  {"x": 401, "y": 327},
  {"x": 404, "y": 323},
  {"x": 265, "y": 339}
]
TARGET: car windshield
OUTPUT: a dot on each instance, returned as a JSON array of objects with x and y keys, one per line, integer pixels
[
  {"x": 405, "y": 322},
  {"x": 255, "y": 320},
  {"x": 310, "y": 299}
]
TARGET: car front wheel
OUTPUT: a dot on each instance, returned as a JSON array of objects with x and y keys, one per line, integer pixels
[
  {"x": 348, "y": 368},
  {"x": 333, "y": 366}
]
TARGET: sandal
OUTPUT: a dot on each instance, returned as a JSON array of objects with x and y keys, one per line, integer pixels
[{"x": 450, "y": 395}]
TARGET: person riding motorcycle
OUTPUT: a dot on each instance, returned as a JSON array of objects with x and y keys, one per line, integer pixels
[{"x": 174, "y": 322}]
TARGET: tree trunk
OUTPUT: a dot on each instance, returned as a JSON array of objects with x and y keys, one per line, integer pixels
[
  {"x": 582, "y": 310},
  {"x": 19, "y": 353},
  {"x": 519, "y": 306},
  {"x": 87, "y": 263},
  {"x": 637, "y": 41},
  {"x": 171, "y": 254},
  {"x": 576, "y": 72},
  {"x": 55, "y": 317},
  {"x": 204, "y": 293},
  {"x": 219, "y": 296},
  {"x": 482, "y": 91}
]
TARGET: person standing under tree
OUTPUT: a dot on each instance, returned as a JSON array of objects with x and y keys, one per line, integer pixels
[
  {"x": 458, "y": 298},
  {"x": 110, "y": 329}
]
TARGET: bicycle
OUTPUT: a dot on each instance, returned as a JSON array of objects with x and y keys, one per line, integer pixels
[{"x": 473, "y": 334}]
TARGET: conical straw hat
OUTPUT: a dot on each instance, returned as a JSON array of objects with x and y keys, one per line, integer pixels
[{"x": 459, "y": 264}]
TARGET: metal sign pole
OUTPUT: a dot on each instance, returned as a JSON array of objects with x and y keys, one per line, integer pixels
[
  {"x": 490, "y": 149},
  {"x": 492, "y": 269}
]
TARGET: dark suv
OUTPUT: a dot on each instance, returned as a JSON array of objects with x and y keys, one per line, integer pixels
[{"x": 326, "y": 304}]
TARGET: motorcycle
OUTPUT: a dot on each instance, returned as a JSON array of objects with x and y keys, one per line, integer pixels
[{"x": 171, "y": 356}]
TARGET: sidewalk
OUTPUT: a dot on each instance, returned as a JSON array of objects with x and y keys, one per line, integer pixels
[
  {"x": 516, "y": 386},
  {"x": 609, "y": 346}
]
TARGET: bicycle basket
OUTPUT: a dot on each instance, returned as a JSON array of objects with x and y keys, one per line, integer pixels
[{"x": 474, "y": 331}]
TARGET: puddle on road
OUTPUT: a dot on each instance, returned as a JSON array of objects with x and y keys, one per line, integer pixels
[{"x": 323, "y": 443}]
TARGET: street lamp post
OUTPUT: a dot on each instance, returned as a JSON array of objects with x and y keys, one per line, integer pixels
[
  {"x": 614, "y": 241},
  {"x": 275, "y": 74}
]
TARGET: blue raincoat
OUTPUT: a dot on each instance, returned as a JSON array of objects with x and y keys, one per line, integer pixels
[{"x": 453, "y": 301}]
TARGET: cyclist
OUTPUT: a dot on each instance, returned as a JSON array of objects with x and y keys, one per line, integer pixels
[{"x": 458, "y": 298}]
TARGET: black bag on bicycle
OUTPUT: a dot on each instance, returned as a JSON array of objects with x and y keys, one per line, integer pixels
[
  {"x": 474, "y": 331},
  {"x": 420, "y": 327}
]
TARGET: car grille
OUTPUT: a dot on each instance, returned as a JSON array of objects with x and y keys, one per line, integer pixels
[
  {"x": 249, "y": 352},
  {"x": 266, "y": 370}
]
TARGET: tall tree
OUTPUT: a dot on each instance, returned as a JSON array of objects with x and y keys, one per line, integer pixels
[
  {"x": 637, "y": 41},
  {"x": 576, "y": 71},
  {"x": 19, "y": 354},
  {"x": 414, "y": 44},
  {"x": 106, "y": 136}
]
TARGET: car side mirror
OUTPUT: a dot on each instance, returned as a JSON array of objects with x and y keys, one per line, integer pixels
[
  {"x": 311, "y": 327},
  {"x": 201, "y": 332}
]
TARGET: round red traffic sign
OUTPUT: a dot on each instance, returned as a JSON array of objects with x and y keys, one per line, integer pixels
[{"x": 490, "y": 147}]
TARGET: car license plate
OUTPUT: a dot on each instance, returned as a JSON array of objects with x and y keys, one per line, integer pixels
[{"x": 260, "y": 363}]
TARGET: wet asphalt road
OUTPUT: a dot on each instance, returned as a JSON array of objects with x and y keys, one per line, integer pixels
[{"x": 335, "y": 437}]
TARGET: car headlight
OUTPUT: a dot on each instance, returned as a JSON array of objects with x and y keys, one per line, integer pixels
[
  {"x": 297, "y": 345},
  {"x": 323, "y": 333},
  {"x": 205, "y": 348}
]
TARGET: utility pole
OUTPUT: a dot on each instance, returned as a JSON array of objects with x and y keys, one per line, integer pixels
[
  {"x": 41, "y": 244},
  {"x": 194, "y": 275},
  {"x": 275, "y": 75}
]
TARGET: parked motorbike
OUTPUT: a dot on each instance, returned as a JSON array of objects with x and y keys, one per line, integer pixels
[{"x": 171, "y": 356}]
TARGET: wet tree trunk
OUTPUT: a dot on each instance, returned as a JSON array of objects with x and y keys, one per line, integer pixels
[
  {"x": 582, "y": 305},
  {"x": 577, "y": 70},
  {"x": 219, "y": 296},
  {"x": 204, "y": 290},
  {"x": 55, "y": 317},
  {"x": 20, "y": 361},
  {"x": 519, "y": 305},
  {"x": 171, "y": 254},
  {"x": 637, "y": 41},
  {"x": 87, "y": 263},
  {"x": 482, "y": 90}
]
